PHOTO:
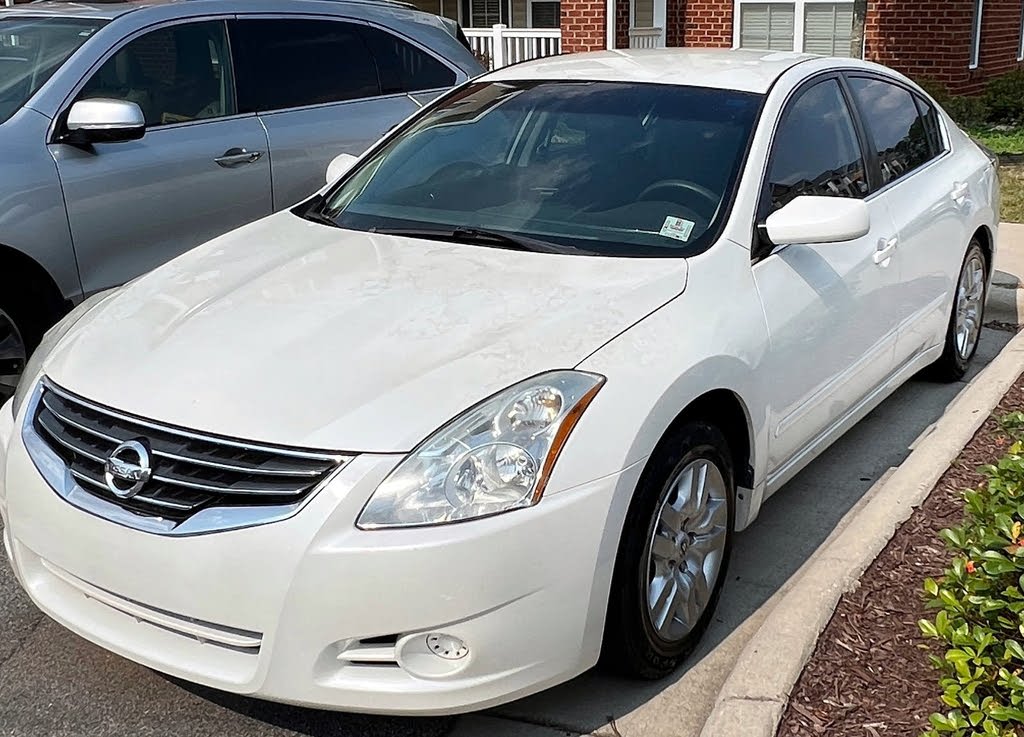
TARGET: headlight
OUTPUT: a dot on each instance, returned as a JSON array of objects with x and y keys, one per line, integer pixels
[
  {"x": 50, "y": 340},
  {"x": 495, "y": 457}
]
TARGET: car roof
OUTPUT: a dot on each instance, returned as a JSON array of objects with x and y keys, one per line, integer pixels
[
  {"x": 744, "y": 70},
  {"x": 110, "y": 9}
]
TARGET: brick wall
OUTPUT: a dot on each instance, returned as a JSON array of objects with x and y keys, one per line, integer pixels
[
  {"x": 932, "y": 39},
  {"x": 622, "y": 24},
  {"x": 701, "y": 23},
  {"x": 583, "y": 25}
]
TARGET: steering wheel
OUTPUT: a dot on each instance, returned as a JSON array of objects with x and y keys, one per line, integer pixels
[{"x": 685, "y": 184}]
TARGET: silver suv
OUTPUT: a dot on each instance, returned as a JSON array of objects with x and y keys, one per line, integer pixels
[{"x": 132, "y": 131}]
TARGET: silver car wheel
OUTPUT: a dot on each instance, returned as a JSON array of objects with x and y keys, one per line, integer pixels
[
  {"x": 686, "y": 549},
  {"x": 970, "y": 295},
  {"x": 13, "y": 356}
]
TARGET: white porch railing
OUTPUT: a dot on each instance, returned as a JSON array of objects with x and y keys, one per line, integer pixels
[
  {"x": 501, "y": 45},
  {"x": 644, "y": 38}
]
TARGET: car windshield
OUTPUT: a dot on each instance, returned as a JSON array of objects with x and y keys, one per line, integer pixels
[
  {"x": 608, "y": 168},
  {"x": 31, "y": 50}
]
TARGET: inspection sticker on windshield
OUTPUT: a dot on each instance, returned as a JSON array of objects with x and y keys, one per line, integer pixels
[{"x": 678, "y": 228}]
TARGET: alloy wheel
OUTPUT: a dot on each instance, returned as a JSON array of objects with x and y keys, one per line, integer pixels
[
  {"x": 970, "y": 296},
  {"x": 13, "y": 355},
  {"x": 686, "y": 549}
]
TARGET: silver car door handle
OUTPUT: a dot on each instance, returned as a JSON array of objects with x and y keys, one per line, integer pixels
[
  {"x": 960, "y": 190},
  {"x": 885, "y": 249},
  {"x": 237, "y": 157}
]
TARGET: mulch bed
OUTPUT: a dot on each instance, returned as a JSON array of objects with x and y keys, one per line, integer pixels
[{"x": 869, "y": 675}]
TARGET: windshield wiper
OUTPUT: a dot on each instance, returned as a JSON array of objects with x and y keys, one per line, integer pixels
[
  {"x": 485, "y": 237},
  {"x": 313, "y": 211}
]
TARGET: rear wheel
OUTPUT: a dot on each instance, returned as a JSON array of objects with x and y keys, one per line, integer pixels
[
  {"x": 965, "y": 322},
  {"x": 673, "y": 554}
]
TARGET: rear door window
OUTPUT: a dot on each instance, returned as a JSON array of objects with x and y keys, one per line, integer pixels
[
  {"x": 402, "y": 66},
  {"x": 295, "y": 63},
  {"x": 895, "y": 125}
]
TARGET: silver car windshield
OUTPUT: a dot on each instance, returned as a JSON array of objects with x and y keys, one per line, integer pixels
[
  {"x": 607, "y": 168},
  {"x": 31, "y": 50}
]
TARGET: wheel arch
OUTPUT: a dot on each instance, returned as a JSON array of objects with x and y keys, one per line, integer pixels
[{"x": 29, "y": 280}]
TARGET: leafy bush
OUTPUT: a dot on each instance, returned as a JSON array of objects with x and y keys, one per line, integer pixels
[
  {"x": 980, "y": 606},
  {"x": 968, "y": 112},
  {"x": 1004, "y": 98}
]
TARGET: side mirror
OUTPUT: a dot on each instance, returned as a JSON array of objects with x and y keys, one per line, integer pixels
[
  {"x": 809, "y": 219},
  {"x": 105, "y": 121},
  {"x": 339, "y": 165}
]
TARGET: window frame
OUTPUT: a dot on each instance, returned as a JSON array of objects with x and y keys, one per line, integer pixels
[
  {"x": 59, "y": 126},
  {"x": 974, "y": 60},
  {"x": 460, "y": 76},
  {"x": 799, "y": 17},
  {"x": 1020, "y": 43},
  {"x": 916, "y": 97}
]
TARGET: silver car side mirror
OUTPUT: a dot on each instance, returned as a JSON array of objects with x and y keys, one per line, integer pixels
[
  {"x": 105, "y": 121},
  {"x": 339, "y": 165}
]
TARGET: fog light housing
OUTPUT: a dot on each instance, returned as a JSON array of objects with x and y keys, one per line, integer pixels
[
  {"x": 448, "y": 647},
  {"x": 435, "y": 655}
]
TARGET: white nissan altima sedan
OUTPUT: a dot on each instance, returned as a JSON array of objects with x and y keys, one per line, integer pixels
[{"x": 495, "y": 402}]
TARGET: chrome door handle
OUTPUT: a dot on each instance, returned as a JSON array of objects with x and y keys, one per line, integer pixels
[
  {"x": 885, "y": 249},
  {"x": 237, "y": 157},
  {"x": 960, "y": 191}
]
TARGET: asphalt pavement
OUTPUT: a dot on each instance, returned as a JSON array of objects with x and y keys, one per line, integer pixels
[{"x": 54, "y": 684}]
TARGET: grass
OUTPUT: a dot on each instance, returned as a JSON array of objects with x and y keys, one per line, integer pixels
[
  {"x": 1001, "y": 141},
  {"x": 1011, "y": 179}
]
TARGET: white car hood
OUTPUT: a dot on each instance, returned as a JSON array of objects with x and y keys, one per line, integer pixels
[{"x": 294, "y": 333}]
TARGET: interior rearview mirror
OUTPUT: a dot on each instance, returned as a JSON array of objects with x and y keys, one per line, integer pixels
[
  {"x": 104, "y": 121},
  {"x": 809, "y": 219},
  {"x": 339, "y": 165}
]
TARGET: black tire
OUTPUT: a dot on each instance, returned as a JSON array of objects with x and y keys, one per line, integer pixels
[
  {"x": 632, "y": 646},
  {"x": 952, "y": 365},
  {"x": 30, "y": 306}
]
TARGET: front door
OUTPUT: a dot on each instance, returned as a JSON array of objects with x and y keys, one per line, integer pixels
[
  {"x": 199, "y": 171},
  {"x": 828, "y": 307}
]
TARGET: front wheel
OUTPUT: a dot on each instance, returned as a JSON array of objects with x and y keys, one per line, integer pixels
[
  {"x": 13, "y": 355},
  {"x": 965, "y": 322},
  {"x": 673, "y": 554}
]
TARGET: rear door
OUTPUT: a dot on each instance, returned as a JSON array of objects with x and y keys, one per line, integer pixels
[
  {"x": 927, "y": 198},
  {"x": 200, "y": 170},
  {"x": 323, "y": 87}
]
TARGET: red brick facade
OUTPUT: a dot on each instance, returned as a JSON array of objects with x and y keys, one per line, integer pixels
[
  {"x": 932, "y": 39},
  {"x": 925, "y": 39},
  {"x": 705, "y": 23},
  {"x": 584, "y": 25}
]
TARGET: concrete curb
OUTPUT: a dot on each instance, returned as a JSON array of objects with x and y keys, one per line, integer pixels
[{"x": 754, "y": 696}]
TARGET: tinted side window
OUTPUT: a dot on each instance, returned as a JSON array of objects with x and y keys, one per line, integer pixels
[
  {"x": 891, "y": 116},
  {"x": 403, "y": 67},
  {"x": 816, "y": 150},
  {"x": 174, "y": 74},
  {"x": 292, "y": 63}
]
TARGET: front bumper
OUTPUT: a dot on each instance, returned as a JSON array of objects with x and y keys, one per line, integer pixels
[{"x": 311, "y": 610}]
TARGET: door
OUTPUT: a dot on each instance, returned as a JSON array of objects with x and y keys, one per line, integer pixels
[
  {"x": 926, "y": 192},
  {"x": 828, "y": 307},
  {"x": 200, "y": 170},
  {"x": 325, "y": 87}
]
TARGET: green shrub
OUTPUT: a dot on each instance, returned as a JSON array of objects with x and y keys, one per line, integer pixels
[
  {"x": 968, "y": 112},
  {"x": 980, "y": 606},
  {"x": 1004, "y": 98}
]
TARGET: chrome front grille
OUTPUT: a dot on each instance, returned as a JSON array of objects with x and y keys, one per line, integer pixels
[{"x": 191, "y": 471}]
